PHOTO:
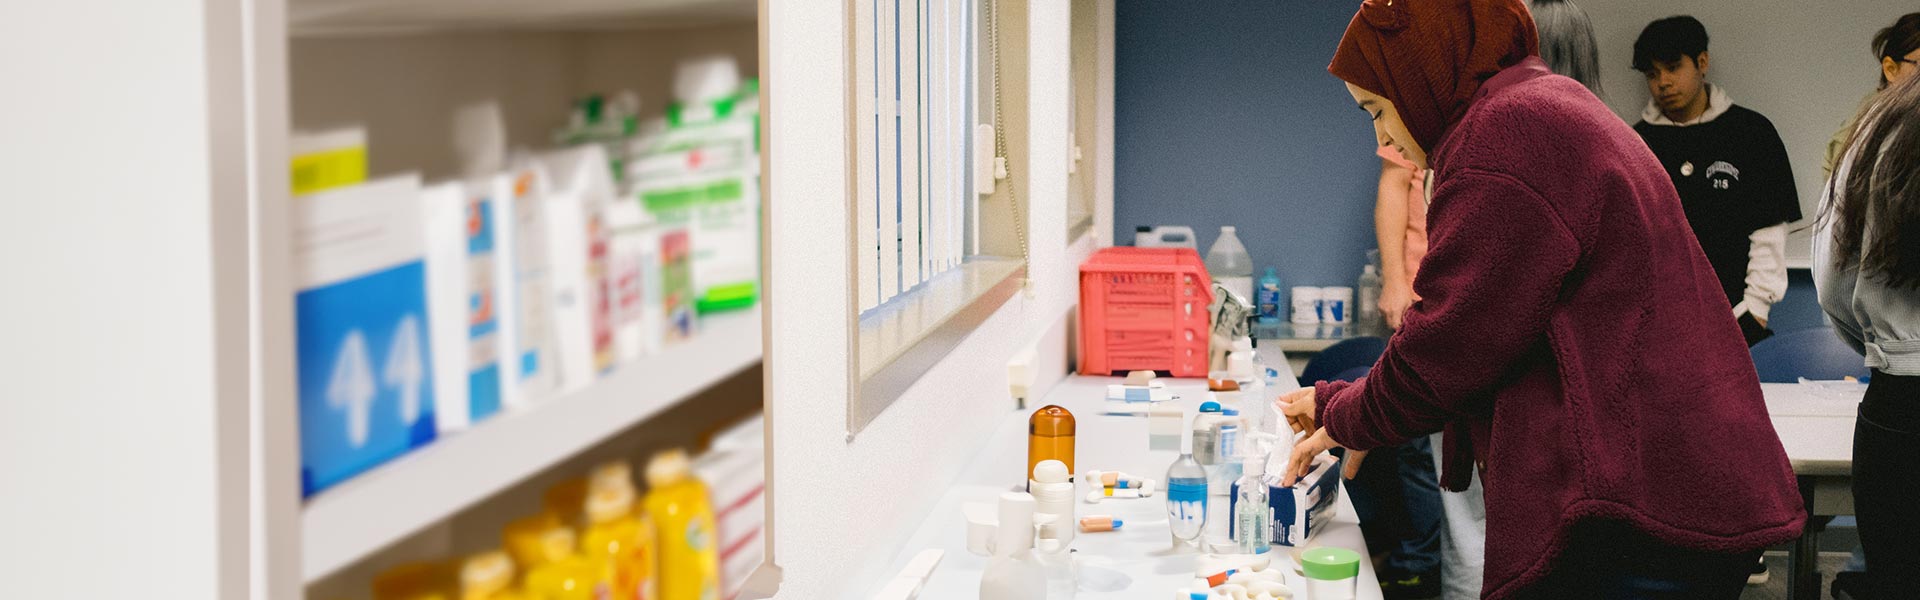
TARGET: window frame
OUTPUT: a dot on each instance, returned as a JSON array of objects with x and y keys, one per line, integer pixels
[{"x": 899, "y": 337}]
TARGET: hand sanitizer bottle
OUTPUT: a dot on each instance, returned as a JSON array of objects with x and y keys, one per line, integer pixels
[{"x": 1252, "y": 515}]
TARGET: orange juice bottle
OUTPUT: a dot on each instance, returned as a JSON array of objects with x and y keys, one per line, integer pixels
[
  {"x": 689, "y": 548},
  {"x": 617, "y": 538}
]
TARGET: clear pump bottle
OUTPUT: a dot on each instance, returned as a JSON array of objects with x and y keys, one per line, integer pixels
[{"x": 1252, "y": 515}]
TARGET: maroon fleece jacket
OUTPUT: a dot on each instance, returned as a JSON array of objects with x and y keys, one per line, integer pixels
[{"x": 1570, "y": 322}]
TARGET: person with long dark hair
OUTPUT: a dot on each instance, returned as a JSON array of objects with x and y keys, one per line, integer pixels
[
  {"x": 1570, "y": 336},
  {"x": 1867, "y": 270}
]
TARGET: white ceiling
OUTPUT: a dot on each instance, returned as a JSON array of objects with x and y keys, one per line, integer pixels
[{"x": 323, "y": 17}]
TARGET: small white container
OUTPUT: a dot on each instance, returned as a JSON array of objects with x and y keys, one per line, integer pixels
[
  {"x": 1052, "y": 489},
  {"x": 1306, "y": 304},
  {"x": 1331, "y": 573},
  {"x": 1336, "y": 304}
]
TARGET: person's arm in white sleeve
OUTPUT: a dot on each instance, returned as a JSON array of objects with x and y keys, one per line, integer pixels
[{"x": 1766, "y": 272}]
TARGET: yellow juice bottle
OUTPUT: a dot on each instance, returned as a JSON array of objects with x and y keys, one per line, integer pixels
[
  {"x": 537, "y": 540},
  {"x": 572, "y": 578},
  {"x": 619, "y": 541},
  {"x": 683, "y": 518}
]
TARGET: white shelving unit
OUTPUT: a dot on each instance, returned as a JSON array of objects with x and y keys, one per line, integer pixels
[
  {"x": 399, "y": 68},
  {"x": 342, "y": 525}
]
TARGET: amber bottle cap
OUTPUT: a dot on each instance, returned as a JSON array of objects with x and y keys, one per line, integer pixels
[{"x": 1051, "y": 421}]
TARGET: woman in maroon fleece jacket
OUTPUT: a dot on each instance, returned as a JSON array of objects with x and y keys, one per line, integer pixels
[{"x": 1570, "y": 336}]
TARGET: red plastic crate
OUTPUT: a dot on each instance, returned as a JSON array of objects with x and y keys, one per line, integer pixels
[{"x": 1144, "y": 309}]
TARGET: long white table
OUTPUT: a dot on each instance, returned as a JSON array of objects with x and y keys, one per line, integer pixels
[
  {"x": 1139, "y": 551},
  {"x": 1815, "y": 424}
]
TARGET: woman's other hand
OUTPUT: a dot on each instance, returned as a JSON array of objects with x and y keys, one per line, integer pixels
[{"x": 1396, "y": 297}]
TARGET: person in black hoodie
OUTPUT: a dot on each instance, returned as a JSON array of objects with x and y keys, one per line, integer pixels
[{"x": 1727, "y": 162}]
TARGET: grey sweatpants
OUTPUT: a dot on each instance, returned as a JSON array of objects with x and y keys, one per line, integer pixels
[{"x": 1463, "y": 537}]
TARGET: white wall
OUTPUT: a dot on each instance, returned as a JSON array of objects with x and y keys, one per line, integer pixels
[
  {"x": 1804, "y": 64},
  {"x": 123, "y": 422},
  {"x": 842, "y": 508}
]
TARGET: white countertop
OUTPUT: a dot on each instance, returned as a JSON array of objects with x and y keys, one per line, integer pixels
[
  {"x": 1141, "y": 550},
  {"x": 1815, "y": 424}
]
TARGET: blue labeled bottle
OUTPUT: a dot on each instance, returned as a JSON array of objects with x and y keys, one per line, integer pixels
[
  {"x": 1186, "y": 498},
  {"x": 1266, "y": 298}
]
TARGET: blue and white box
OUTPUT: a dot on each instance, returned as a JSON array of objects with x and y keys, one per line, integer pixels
[
  {"x": 361, "y": 327},
  {"x": 1301, "y": 510}
]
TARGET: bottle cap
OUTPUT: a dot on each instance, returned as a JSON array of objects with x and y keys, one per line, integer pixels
[
  {"x": 611, "y": 473},
  {"x": 607, "y": 503},
  {"x": 1330, "y": 564},
  {"x": 1210, "y": 406},
  {"x": 1050, "y": 421},
  {"x": 1051, "y": 471},
  {"x": 485, "y": 574},
  {"x": 668, "y": 468}
]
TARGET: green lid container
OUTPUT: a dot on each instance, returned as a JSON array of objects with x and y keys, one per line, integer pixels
[{"x": 1330, "y": 564}]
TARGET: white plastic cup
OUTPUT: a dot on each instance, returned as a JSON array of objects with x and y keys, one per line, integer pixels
[
  {"x": 1336, "y": 304},
  {"x": 1306, "y": 304}
]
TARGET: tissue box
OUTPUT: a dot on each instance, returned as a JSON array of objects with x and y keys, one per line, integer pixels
[
  {"x": 360, "y": 329},
  {"x": 1303, "y": 509}
]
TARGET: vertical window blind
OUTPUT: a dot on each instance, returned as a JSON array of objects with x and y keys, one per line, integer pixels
[{"x": 914, "y": 92}]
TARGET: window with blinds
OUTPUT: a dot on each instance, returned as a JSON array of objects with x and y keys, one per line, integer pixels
[{"x": 914, "y": 90}]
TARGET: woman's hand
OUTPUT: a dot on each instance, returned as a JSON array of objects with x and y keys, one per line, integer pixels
[
  {"x": 1396, "y": 297},
  {"x": 1298, "y": 407},
  {"x": 1304, "y": 452}
]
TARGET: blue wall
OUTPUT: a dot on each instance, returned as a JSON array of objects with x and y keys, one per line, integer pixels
[{"x": 1224, "y": 114}]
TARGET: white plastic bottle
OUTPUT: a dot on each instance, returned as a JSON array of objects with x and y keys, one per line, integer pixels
[
  {"x": 1226, "y": 433},
  {"x": 1013, "y": 573},
  {"x": 1371, "y": 321},
  {"x": 1229, "y": 265},
  {"x": 1240, "y": 361},
  {"x": 1052, "y": 489}
]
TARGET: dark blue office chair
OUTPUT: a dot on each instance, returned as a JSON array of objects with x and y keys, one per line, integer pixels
[
  {"x": 1353, "y": 374},
  {"x": 1338, "y": 358},
  {"x": 1814, "y": 353}
]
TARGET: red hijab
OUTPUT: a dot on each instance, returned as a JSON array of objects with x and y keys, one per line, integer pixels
[{"x": 1428, "y": 57}]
